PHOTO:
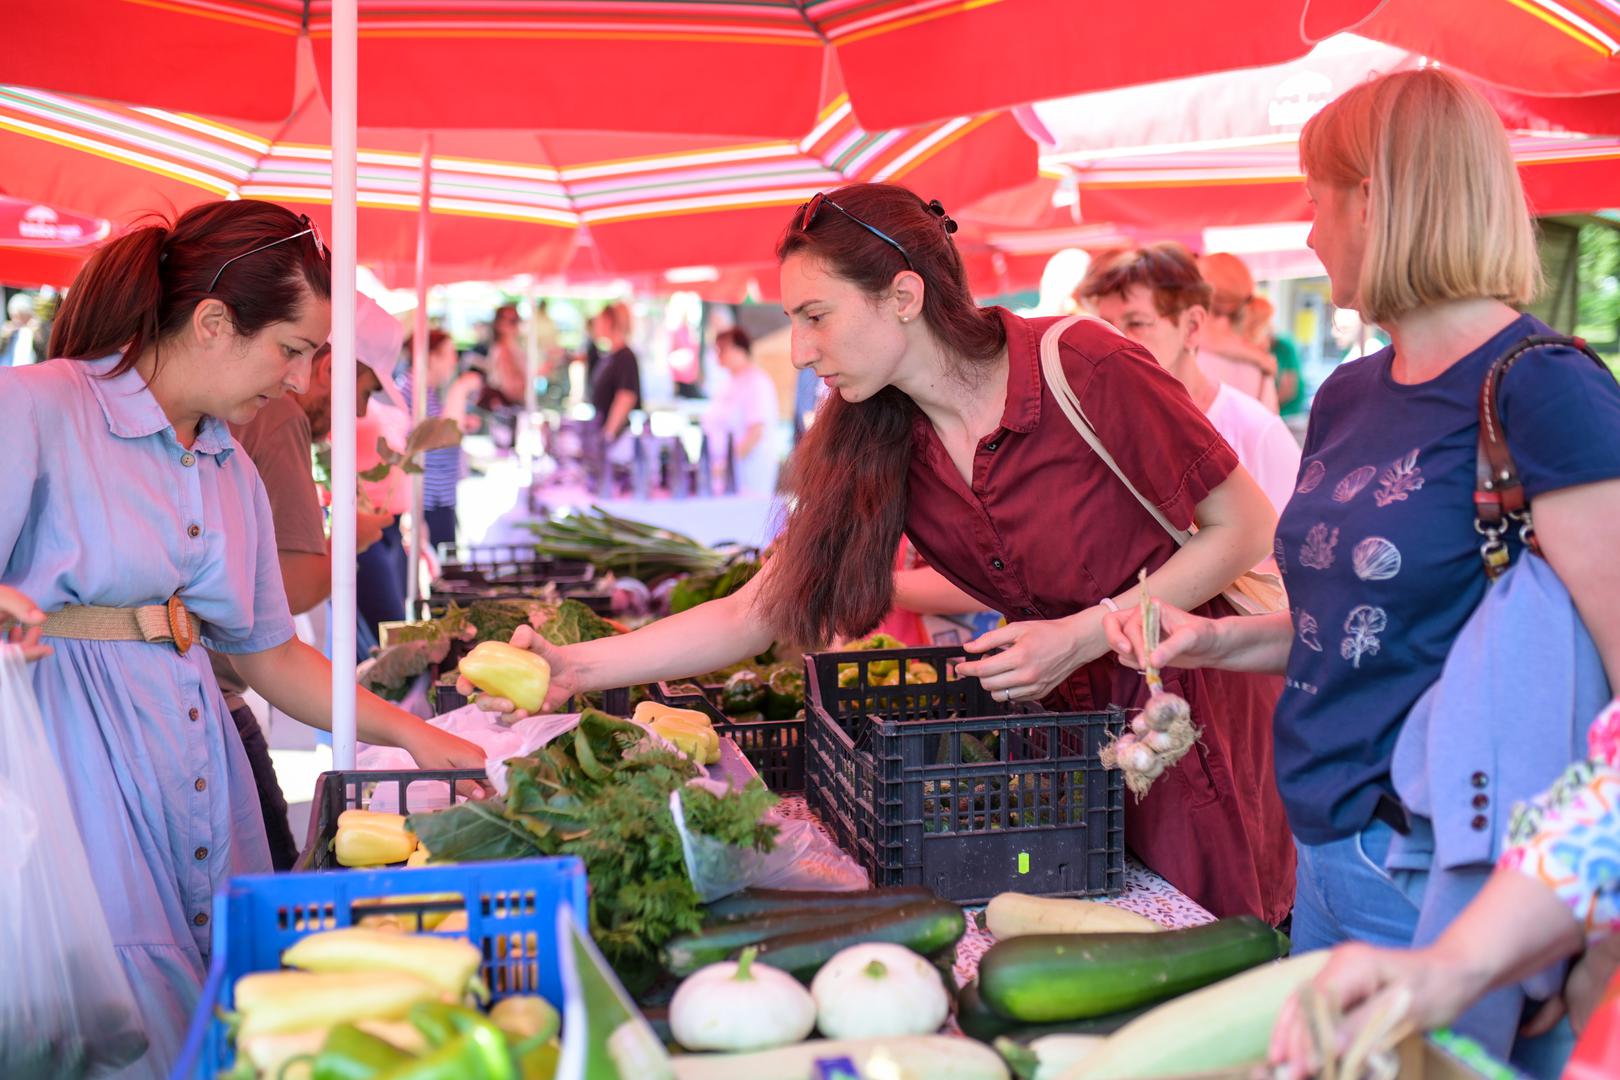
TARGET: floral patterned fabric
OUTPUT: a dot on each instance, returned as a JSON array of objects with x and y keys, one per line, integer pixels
[{"x": 1569, "y": 838}]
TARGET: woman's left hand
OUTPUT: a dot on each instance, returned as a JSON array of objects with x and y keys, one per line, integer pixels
[
  {"x": 1036, "y": 656},
  {"x": 20, "y": 621},
  {"x": 436, "y": 749}
]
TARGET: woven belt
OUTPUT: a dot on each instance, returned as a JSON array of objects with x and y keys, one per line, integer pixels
[{"x": 156, "y": 623}]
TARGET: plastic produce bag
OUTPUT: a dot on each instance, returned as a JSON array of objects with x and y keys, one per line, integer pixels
[
  {"x": 66, "y": 1009},
  {"x": 717, "y": 869}
]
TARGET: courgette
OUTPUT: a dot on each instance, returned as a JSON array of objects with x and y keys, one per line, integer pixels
[
  {"x": 750, "y": 903},
  {"x": 978, "y": 1021},
  {"x": 687, "y": 953},
  {"x": 926, "y": 928},
  {"x": 1049, "y": 978}
]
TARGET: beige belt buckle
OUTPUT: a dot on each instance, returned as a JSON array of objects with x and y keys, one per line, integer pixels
[{"x": 179, "y": 624}]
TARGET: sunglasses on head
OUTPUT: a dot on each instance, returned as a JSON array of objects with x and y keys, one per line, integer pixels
[
  {"x": 807, "y": 217},
  {"x": 309, "y": 230}
]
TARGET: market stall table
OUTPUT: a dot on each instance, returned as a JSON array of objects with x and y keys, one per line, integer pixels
[{"x": 1146, "y": 893}]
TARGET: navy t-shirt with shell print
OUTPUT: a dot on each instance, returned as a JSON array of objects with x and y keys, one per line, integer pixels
[{"x": 1380, "y": 555}]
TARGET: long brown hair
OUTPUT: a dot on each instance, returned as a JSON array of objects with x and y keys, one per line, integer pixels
[
  {"x": 832, "y": 574},
  {"x": 141, "y": 289}
]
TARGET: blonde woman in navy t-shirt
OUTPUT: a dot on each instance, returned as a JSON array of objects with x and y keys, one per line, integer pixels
[{"x": 1422, "y": 225}]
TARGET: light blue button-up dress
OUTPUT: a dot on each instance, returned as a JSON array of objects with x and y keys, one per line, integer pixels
[{"x": 101, "y": 504}]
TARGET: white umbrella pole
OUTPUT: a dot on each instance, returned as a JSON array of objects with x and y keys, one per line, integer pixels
[
  {"x": 522, "y": 432},
  {"x": 419, "y": 355},
  {"x": 345, "y": 39}
]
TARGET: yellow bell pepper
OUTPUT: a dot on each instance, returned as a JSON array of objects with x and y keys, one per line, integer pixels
[
  {"x": 278, "y": 1002},
  {"x": 369, "y": 845},
  {"x": 375, "y": 819},
  {"x": 503, "y": 670},
  {"x": 448, "y": 963}
]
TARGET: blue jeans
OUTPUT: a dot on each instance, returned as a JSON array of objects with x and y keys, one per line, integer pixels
[{"x": 1343, "y": 893}]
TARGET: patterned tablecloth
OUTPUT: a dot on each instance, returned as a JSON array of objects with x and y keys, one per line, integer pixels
[{"x": 1146, "y": 893}]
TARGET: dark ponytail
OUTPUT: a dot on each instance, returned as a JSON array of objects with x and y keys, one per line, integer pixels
[
  {"x": 140, "y": 289},
  {"x": 832, "y": 574}
]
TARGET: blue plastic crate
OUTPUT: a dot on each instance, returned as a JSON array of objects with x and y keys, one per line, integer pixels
[{"x": 511, "y": 914}]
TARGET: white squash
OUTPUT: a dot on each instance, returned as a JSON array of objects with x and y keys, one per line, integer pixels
[
  {"x": 741, "y": 1006},
  {"x": 878, "y": 989},
  {"x": 917, "y": 1057},
  {"x": 1013, "y": 915}
]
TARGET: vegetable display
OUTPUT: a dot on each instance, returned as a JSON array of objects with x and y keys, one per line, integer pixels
[
  {"x": 741, "y": 1006},
  {"x": 1163, "y": 733},
  {"x": 620, "y": 546},
  {"x": 1054, "y": 977},
  {"x": 518, "y": 675},
  {"x": 1221, "y": 1026},
  {"x": 879, "y": 989},
  {"x": 1013, "y": 915},
  {"x": 371, "y": 1005},
  {"x": 366, "y": 838},
  {"x": 602, "y": 793}
]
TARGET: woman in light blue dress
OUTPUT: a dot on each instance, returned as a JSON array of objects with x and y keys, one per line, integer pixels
[{"x": 121, "y": 487}]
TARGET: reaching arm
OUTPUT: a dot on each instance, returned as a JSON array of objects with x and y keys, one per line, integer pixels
[
  {"x": 928, "y": 592},
  {"x": 750, "y": 439},
  {"x": 701, "y": 639},
  {"x": 1235, "y": 526},
  {"x": 307, "y": 577},
  {"x": 298, "y": 680},
  {"x": 618, "y": 414}
]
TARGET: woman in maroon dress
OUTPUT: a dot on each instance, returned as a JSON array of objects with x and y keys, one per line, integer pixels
[{"x": 941, "y": 427}]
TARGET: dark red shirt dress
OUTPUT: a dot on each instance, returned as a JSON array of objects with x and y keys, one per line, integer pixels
[{"x": 1046, "y": 529}]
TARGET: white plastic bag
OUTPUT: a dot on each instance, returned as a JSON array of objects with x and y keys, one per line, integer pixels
[
  {"x": 798, "y": 861},
  {"x": 66, "y": 1009}
]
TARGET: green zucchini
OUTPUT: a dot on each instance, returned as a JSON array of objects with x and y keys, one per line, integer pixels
[
  {"x": 686, "y": 953},
  {"x": 750, "y": 903},
  {"x": 926, "y": 928},
  {"x": 978, "y": 1021},
  {"x": 1048, "y": 978}
]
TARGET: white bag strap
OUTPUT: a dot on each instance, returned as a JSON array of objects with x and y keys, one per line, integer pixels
[{"x": 1069, "y": 402}]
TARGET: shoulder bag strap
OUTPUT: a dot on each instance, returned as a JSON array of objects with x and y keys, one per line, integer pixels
[
  {"x": 1069, "y": 402},
  {"x": 1499, "y": 497}
]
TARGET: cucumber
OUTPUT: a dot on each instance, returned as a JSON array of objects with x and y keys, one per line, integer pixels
[
  {"x": 925, "y": 928},
  {"x": 750, "y": 903},
  {"x": 686, "y": 953},
  {"x": 978, "y": 1021},
  {"x": 1048, "y": 978}
]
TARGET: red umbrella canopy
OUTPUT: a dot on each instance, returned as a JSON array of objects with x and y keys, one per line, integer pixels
[
  {"x": 42, "y": 244},
  {"x": 757, "y": 68},
  {"x": 1551, "y": 47},
  {"x": 503, "y": 202},
  {"x": 1138, "y": 156}
]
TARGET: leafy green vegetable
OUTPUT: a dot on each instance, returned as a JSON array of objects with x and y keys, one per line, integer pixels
[
  {"x": 571, "y": 622},
  {"x": 622, "y": 546},
  {"x": 390, "y": 671},
  {"x": 695, "y": 589},
  {"x": 603, "y": 795}
]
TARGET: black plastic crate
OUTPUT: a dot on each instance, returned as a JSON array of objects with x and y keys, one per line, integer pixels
[
  {"x": 498, "y": 563},
  {"x": 935, "y": 783},
  {"x": 340, "y": 790},
  {"x": 774, "y": 747}
]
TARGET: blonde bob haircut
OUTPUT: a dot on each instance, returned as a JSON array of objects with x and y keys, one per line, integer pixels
[{"x": 1446, "y": 214}]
